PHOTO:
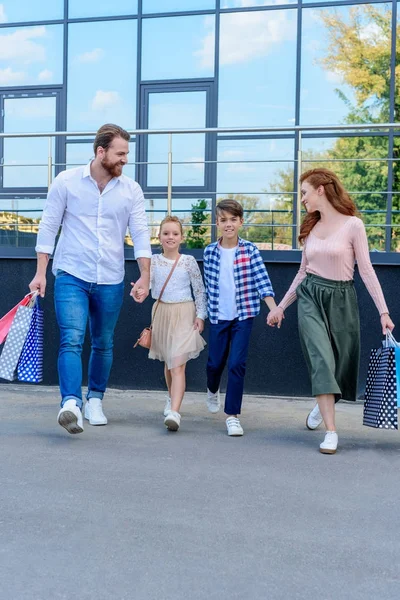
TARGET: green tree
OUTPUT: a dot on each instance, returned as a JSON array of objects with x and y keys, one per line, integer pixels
[
  {"x": 197, "y": 234},
  {"x": 359, "y": 49}
]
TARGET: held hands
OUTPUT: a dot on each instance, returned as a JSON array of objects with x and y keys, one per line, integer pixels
[
  {"x": 275, "y": 317},
  {"x": 140, "y": 290},
  {"x": 38, "y": 284},
  {"x": 198, "y": 325},
  {"x": 386, "y": 323}
]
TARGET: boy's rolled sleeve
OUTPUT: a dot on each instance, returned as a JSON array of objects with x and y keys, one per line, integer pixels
[{"x": 260, "y": 275}]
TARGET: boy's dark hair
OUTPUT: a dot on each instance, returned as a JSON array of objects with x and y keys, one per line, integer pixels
[
  {"x": 106, "y": 134},
  {"x": 230, "y": 206}
]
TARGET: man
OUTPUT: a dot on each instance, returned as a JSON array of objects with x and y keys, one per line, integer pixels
[{"x": 95, "y": 204}]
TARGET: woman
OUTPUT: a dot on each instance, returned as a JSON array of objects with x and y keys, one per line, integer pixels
[{"x": 332, "y": 238}]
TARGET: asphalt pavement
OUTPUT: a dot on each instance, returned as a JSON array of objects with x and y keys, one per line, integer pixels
[{"x": 132, "y": 511}]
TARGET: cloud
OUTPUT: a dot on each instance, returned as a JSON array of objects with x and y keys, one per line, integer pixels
[
  {"x": 233, "y": 153},
  {"x": 246, "y": 36},
  {"x": 334, "y": 77},
  {"x": 33, "y": 108},
  {"x": 45, "y": 75},
  {"x": 240, "y": 169},
  {"x": 9, "y": 77},
  {"x": 20, "y": 46},
  {"x": 198, "y": 162},
  {"x": 90, "y": 57},
  {"x": 103, "y": 100},
  {"x": 3, "y": 16}
]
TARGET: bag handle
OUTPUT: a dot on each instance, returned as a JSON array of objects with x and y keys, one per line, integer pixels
[
  {"x": 32, "y": 301},
  {"x": 390, "y": 341},
  {"x": 163, "y": 288}
]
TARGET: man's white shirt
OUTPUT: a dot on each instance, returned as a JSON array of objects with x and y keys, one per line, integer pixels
[{"x": 94, "y": 225}]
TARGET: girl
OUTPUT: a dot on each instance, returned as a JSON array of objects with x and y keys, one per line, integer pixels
[
  {"x": 177, "y": 321},
  {"x": 329, "y": 328}
]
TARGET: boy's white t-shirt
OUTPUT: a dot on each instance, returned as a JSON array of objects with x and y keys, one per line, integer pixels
[{"x": 227, "y": 309}]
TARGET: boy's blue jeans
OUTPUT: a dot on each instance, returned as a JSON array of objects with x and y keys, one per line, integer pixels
[
  {"x": 229, "y": 340},
  {"x": 76, "y": 301}
]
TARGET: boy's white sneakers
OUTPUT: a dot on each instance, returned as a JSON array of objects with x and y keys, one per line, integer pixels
[
  {"x": 70, "y": 417},
  {"x": 167, "y": 406},
  {"x": 314, "y": 418},
  {"x": 233, "y": 426},
  {"x": 94, "y": 412},
  {"x": 213, "y": 401},
  {"x": 330, "y": 443},
  {"x": 172, "y": 420}
]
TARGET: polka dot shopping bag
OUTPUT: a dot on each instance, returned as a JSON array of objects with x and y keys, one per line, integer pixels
[
  {"x": 381, "y": 393},
  {"x": 30, "y": 364}
]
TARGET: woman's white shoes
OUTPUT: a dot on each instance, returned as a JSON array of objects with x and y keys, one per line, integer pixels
[
  {"x": 314, "y": 418},
  {"x": 330, "y": 443}
]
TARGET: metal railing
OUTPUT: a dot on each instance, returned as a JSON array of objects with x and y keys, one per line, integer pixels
[{"x": 296, "y": 133}]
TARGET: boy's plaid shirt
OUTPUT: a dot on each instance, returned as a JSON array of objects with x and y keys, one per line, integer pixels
[{"x": 251, "y": 279}]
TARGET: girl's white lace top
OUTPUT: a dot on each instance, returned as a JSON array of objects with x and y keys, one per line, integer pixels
[{"x": 186, "y": 274}]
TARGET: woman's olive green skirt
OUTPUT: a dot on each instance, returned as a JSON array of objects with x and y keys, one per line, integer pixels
[{"x": 329, "y": 328}]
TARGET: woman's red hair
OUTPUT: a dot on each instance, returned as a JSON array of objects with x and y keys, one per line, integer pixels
[{"x": 335, "y": 193}]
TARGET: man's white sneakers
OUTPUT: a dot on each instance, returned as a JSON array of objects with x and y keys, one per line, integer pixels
[
  {"x": 70, "y": 417},
  {"x": 330, "y": 443},
  {"x": 314, "y": 418},
  {"x": 172, "y": 420},
  {"x": 213, "y": 401},
  {"x": 233, "y": 426},
  {"x": 94, "y": 412}
]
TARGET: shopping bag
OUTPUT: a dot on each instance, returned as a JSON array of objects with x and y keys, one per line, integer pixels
[
  {"x": 391, "y": 342},
  {"x": 30, "y": 364},
  {"x": 15, "y": 340},
  {"x": 380, "y": 404},
  {"x": 6, "y": 321}
]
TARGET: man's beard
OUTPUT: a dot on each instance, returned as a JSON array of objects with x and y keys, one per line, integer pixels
[{"x": 114, "y": 169}]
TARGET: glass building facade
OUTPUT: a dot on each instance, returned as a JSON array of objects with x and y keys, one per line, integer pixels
[{"x": 70, "y": 66}]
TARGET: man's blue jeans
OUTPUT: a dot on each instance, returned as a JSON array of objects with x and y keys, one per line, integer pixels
[
  {"x": 229, "y": 340},
  {"x": 76, "y": 301}
]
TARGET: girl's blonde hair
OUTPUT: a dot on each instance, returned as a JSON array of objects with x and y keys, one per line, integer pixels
[{"x": 171, "y": 219}]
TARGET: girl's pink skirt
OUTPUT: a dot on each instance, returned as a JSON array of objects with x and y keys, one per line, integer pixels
[{"x": 174, "y": 340}]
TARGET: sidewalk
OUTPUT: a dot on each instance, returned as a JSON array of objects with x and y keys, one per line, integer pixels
[{"x": 131, "y": 511}]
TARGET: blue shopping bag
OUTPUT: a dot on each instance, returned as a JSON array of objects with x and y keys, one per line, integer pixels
[
  {"x": 397, "y": 358},
  {"x": 391, "y": 342},
  {"x": 30, "y": 364}
]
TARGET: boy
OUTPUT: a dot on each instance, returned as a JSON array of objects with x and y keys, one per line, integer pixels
[{"x": 236, "y": 279}]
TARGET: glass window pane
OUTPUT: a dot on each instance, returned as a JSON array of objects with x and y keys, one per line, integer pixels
[
  {"x": 16, "y": 11},
  {"x": 101, "y": 8},
  {"x": 195, "y": 214},
  {"x": 184, "y": 110},
  {"x": 251, "y": 171},
  {"x": 31, "y": 55},
  {"x": 92, "y": 52},
  {"x": 345, "y": 64},
  {"x": 19, "y": 220},
  {"x": 24, "y": 115},
  {"x": 155, "y": 6},
  {"x": 255, "y": 49},
  {"x": 178, "y": 47}
]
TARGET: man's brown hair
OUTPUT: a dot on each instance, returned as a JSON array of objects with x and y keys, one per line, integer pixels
[
  {"x": 230, "y": 206},
  {"x": 106, "y": 134}
]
